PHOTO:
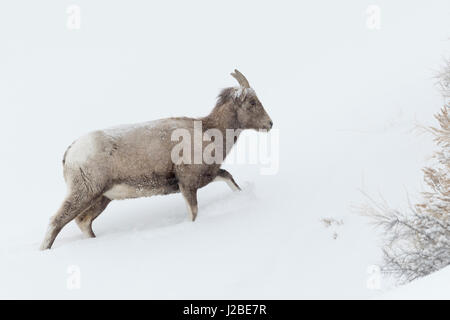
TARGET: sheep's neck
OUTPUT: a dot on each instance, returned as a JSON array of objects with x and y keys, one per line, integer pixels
[{"x": 224, "y": 118}]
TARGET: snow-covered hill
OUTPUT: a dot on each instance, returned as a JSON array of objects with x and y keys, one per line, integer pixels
[
  {"x": 344, "y": 99},
  {"x": 432, "y": 287}
]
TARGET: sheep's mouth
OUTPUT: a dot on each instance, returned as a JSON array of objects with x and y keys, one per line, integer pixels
[
  {"x": 265, "y": 128},
  {"x": 268, "y": 126}
]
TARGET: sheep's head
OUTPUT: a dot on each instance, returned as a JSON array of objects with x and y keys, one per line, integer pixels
[{"x": 250, "y": 111}]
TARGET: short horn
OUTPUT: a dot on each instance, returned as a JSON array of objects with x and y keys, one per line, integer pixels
[{"x": 243, "y": 82}]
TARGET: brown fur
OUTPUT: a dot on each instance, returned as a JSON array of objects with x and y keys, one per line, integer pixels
[{"x": 135, "y": 161}]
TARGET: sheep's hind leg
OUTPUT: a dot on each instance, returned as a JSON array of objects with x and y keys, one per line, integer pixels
[
  {"x": 190, "y": 195},
  {"x": 224, "y": 175},
  {"x": 85, "y": 219},
  {"x": 73, "y": 205}
]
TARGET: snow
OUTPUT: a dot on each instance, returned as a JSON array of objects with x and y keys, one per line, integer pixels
[
  {"x": 123, "y": 129},
  {"x": 431, "y": 287},
  {"x": 344, "y": 98}
]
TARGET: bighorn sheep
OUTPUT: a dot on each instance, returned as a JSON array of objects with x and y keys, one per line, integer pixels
[{"x": 137, "y": 160}]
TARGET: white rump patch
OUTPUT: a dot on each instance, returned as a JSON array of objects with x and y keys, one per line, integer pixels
[{"x": 80, "y": 151}]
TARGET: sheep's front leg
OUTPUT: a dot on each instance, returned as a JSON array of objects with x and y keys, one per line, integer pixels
[
  {"x": 190, "y": 195},
  {"x": 224, "y": 175}
]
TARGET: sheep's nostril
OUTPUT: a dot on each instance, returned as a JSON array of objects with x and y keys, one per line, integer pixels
[{"x": 271, "y": 124}]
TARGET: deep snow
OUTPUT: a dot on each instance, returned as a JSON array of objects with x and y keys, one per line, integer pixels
[
  {"x": 431, "y": 287},
  {"x": 344, "y": 98}
]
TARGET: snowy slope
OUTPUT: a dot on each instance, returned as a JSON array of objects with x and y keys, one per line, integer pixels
[
  {"x": 433, "y": 287},
  {"x": 343, "y": 98}
]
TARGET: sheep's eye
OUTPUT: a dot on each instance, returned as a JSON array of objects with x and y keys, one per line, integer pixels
[{"x": 253, "y": 102}]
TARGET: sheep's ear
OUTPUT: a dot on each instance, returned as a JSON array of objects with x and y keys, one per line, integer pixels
[
  {"x": 240, "y": 94},
  {"x": 243, "y": 95},
  {"x": 243, "y": 82}
]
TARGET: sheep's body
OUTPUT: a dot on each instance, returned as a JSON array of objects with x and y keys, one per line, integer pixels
[
  {"x": 128, "y": 161},
  {"x": 135, "y": 161}
]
